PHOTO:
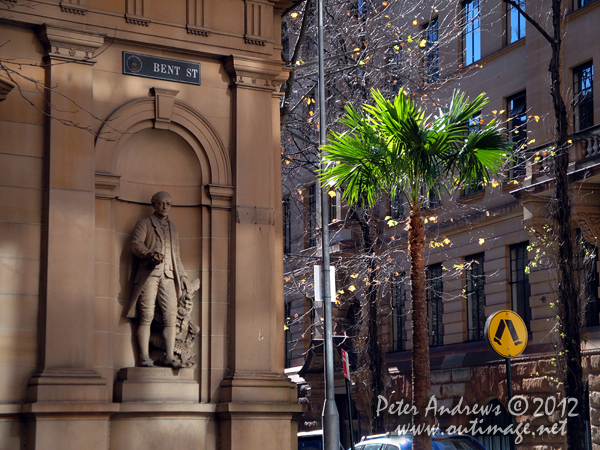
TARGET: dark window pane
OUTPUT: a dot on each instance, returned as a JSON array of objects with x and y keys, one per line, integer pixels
[
  {"x": 583, "y": 98},
  {"x": 399, "y": 312},
  {"x": 516, "y": 106},
  {"x": 519, "y": 281},
  {"x": 432, "y": 55},
  {"x": 475, "y": 293},
  {"x": 287, "y": 226},
  {"x": 435, "y": 305}
]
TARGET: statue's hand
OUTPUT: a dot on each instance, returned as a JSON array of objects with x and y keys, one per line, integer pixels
[
  {"x": 154, "y": 258},
  {"x": 185, "y": 284}
]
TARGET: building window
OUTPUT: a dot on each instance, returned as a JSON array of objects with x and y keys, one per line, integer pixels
[
  {"x": 581, "y": 3},
  {"x": 398, "y": 313},
  {"x": 359, "y": 8},
  {"x": 516, "y": 105},
  {"x": 397, "y": 206},
  {"x": 583, "y": 100},
  {"x": 393, "y": 59},
  {"x": 519, "y": 281},
  {"x": 432, "y": 198},
  {"x": 515, "y": 22},
  {"x": 475, "y": 293},
  {"x": 333, "y": 206},
  {"x": 587, "y": 268},
  {"x": 472, "y": 32},
  {"x": 432, "y": 52},
  {"x": 435, "y": 306},
  {"x": 285, "y": 42},
  {"x": 287, "y": 225},
  {"x": 311, "y": 220},
  {"x": 288, "y": 334}
]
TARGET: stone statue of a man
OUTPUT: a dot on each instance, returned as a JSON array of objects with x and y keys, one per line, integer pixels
[{"x": 160, "y": 277}]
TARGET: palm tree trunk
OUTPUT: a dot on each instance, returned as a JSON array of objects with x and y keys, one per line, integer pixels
[
  {"x": 371, "y": 356},
  {"x": 420, "y": 356}
]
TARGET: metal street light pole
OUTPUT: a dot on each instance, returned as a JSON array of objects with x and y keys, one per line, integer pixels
[{"x": 331, "y": 418}]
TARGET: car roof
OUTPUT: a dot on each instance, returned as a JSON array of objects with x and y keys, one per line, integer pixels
[{"x": 400, "y": 439}]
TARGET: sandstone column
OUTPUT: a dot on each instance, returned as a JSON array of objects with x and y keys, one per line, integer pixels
[
  {"x": 255, "y": 387},
  {"x": 65, "y": 376}
]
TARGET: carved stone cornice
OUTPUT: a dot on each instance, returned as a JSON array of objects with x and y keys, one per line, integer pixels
[
  {"x": 70, "y": 44},
  {"x": 137, "y": 20},
  {"x": 5, "y": 88},
  {"x": 254, "y": 40},
  {"x": 253, "y": 73},
  {"x": 197, "y": 31},
  {"x": 73, "y": 8}
]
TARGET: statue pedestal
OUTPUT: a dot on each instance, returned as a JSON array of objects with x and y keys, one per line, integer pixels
[{"x": 156, "y": 384}]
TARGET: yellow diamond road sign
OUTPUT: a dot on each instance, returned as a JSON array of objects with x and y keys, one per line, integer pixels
[{"x": 506, "y": 333}]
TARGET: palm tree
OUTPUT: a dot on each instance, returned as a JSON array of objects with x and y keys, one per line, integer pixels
[{"x": 394, "y": 146}]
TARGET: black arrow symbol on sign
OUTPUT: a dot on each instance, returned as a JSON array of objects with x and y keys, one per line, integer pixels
[{"x": 507, "y": 323}]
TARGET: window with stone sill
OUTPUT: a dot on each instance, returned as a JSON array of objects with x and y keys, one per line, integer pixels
[
  {"x": 516, "y": 107},
  {"x": 520, "y": 289},
  {"x": 432, "y": 199},
  {"x": 311, "y": 216},
  {"x": 471, "y": 39},
  {"x": 583, "y": 98},
  {"x": 287, "y": 225},
  {"x": 432, "y": 52},
  {"x": 288, "y": 334},
  {"x": 515, "y": 22},
  {"x": 435, "y": 305},
  {"x": 393, "y": 59},
  {"x": 398, "y": 312},
  {"x": 475, "y": 294},
  {"x": 396, "y": 211}
]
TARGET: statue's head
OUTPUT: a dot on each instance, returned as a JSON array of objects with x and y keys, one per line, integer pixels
[{"x": 162, "y": 202}]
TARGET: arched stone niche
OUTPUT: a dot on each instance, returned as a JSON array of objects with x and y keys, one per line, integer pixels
[{"x": 148, "y": 145}]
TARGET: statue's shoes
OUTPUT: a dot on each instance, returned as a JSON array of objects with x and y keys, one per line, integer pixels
[
  {"x": 147, "y": 363},
  {"x": 173, "y": 363}
]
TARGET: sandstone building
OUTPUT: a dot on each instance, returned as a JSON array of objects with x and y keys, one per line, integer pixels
[{"x": 103, "y": 104}]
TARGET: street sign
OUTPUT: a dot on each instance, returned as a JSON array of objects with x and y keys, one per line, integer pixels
[
  {"x": 506, "y": 333},
  {"x": 161, "y": 68},
  {"x": 346, "y": 364},
  {"x": 319, "y": 289}
]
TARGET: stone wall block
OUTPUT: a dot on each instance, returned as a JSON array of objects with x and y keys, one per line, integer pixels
[
  {"x": 453, "y": 390},
  {"x": 526, "y": 369},
  {"x": 462, "y": 374},
  {"x": 440, "y": 376},
  {"x": 595, "y": 416},
  {"x": 537, "y": 384},
  {"x": 595, "y": 399},
  {"x": 594, "y": 382}
]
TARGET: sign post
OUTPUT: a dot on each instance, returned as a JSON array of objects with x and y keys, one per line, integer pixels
[
  {"x": 506, "y": 333},
  {"x": 346, "y": 365}
]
